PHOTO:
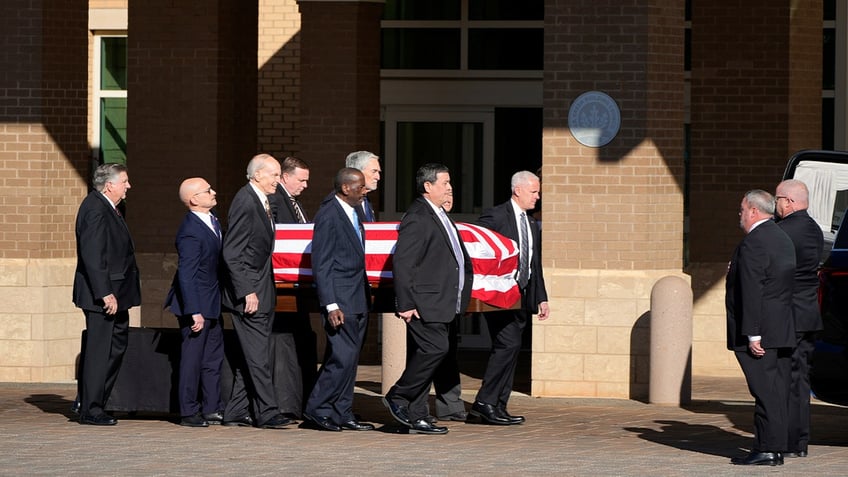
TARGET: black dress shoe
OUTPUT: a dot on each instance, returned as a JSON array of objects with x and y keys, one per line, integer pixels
[
  {"x": 759, "y": 458},
  {"x": 98, "y": 420},
  {"x": 423, "y": 426},
  {"x": 488, "y": 414},
  {"x": 354, "y": 425},
  {"x": 512, "y": 419},
  {"x": 276, "y": 422},
  {"x": 459, "y": 416},
  {"x": 214, "y": 418},
  {"x": 194, "y": 421},
  {"x": 432, "y": 419},
  {"x": 75, "y": 407},
  {"x": 244, "y": 421},
  {"x": 802, "y": 453},
  {"x": 322, "y": 423},
  {"x": 400, "y": 413}
]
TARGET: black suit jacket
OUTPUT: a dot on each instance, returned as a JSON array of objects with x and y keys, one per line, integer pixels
[
  {"x": 338, "y": 260},
  {"x": 247, "y": 249},
  {"x": 808, "y": 240},
  {"x": 425, "y": 271},
  {"x": 759, "y": 285},
  {"x": 105, "y": 257},
  {"x": 501, "y": 219},
  {"x": 282, "y": 208},
  {"x": 196, "y": 285}
]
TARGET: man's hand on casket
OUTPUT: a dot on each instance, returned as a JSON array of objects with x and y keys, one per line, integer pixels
[
  {"x": 408, "y": 315},
  {"x": 335, "y": 318}
]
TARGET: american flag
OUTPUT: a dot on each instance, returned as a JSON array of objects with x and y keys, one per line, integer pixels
[{"x": 493, "y": 257}]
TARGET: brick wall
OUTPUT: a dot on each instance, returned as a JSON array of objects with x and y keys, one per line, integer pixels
[
  {"x": 756, "y": 99},
  {"x": 279, "y": 78},
  {"x": 340, "y": 87},
  {"x": 191, "y": 112},
  {"x": 613, "y": 216}
]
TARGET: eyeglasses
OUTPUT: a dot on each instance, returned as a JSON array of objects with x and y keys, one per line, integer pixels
[
  {"x": 776, "y": 198},
  {"x": 205, "y": 191}
]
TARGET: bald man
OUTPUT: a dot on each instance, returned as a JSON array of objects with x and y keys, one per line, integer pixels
[
  {"x": 792, "y": 198},
  {"x": 195, "y": 298}
]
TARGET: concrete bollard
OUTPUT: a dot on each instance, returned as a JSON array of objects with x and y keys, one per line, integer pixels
[
  {"x": 394, "y": 350},
  {"x": 671, "y": 342}
]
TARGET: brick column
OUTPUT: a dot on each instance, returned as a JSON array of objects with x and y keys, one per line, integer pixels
[
  {"x": 339, "y": 99},
  {"x": 44, "y": 170},
  {"x": 191, "y": 112},
  {"x": 613, "y": 215},
  {"x": 756, "y": 99},
  {"x": 340, "y": 86}
]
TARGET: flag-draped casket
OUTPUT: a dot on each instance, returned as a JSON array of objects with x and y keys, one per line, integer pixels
[{"x": 493, "y": 257}]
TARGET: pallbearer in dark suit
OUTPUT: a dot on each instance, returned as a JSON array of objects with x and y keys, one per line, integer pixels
[
  {"x": 195, "y": 297},
  {"x": 513, "y": 220},
  {"x": 792, "y": 198},
  {"x": 432, "y": 280},
  {"x": 338, "y": 268},
  {"x": 760, "y": 328},
  {"x": 249, "y": 293},
  {"x": 106, "y": 286},
  {"x": 369, "y": 164},
  {"x": 298, "y": 342}
]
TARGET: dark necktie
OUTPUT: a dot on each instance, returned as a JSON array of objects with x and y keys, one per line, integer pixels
[
  {"x": 523, "y": 254},
  {"x": 369, "y": 213},
  {"x": 216, "y": 225},
  {"x": 298, "y": 214}
]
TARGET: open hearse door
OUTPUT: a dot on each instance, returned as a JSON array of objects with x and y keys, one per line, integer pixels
[{"x": 826, "y": 175}]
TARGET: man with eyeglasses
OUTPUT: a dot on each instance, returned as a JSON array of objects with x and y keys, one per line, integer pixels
[
  {"x": 760, "y": 328},
  {"x": 792, "y": 200},
  {"x": 195, "y": 298}
]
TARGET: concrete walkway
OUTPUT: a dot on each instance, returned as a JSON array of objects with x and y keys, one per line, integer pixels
[{"x": 569, "y": 437}]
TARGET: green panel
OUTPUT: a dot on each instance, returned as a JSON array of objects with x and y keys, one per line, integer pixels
[
  {"x": 113, "y": 130},
  {"x": 113, "y": 63}
]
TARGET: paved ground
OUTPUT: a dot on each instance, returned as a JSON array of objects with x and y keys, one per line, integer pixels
[{"x": 569, "y": 437}]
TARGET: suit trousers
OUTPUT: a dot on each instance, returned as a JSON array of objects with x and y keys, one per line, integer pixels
[
  {"x": 427, "y": 344},
  {"x": 201, "y": 356},
  {"x": 294, "y": 375},
  {"x": 768, "y": 382},
  {"x": 506, "y": 329},
  {"x": 446, "y": 380},
  {"x": 799, "y": 392},
  {"x": 332, "y": 396},
  {"x": 254, "y": 336},
  {"x": 105, "y": 345}
]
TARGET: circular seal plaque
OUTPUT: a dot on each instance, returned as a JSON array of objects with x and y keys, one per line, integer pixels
[{"x": 594, "y": 119}]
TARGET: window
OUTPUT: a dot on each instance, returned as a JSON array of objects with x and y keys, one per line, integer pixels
[
  {"x": 463, "y": 35},
  {"x": 110, "y": 98}
]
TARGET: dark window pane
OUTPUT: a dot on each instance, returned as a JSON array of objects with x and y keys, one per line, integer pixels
[
  {"x": 828, "y": 124},
  {"x": 420, "y": 48},
  {"x": 829, "y": 59},
  {"x": 506, "y": 10},
  {"x": 113, "y": 130},
  {"x": 113, "y": 71},
  {"x": 518, "y": 146},
  {"x": 829, "y": 9},
  {"x": 456, "y": 145},
  {"x": 688, "y": 11},
  {"x": 506, "y": 49},
  {"x": 687, "y": 49},
  {"x": 421, "y": 10}
]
